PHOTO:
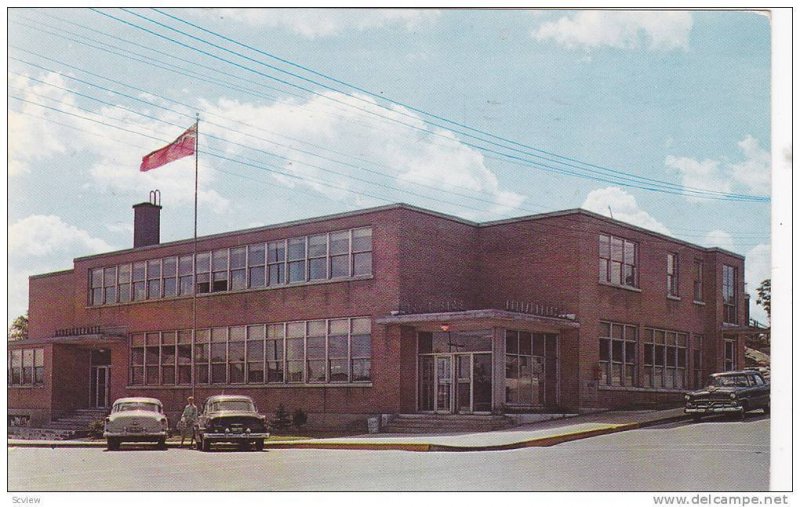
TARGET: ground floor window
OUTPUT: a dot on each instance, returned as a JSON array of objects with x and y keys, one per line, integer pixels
[
  {"x": 318, "y": 351},
  {"x": 525, "y": 368},
  {"x": 697, "y": 361},
  {"x": 730, "y": 354},
  {"x": 26, "y": 367},
  {"x": 665, "y": 359},
  {"x": 617, "y": 363}
]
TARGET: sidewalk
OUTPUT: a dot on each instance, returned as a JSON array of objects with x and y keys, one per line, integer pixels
[{"x": 541, "y": 434}]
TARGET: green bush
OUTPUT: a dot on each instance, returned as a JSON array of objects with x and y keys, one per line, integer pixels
[
  {"x": 96, "y": 428},
  {"x": 299, "y": 418},
  {"x": 282, "y": 420}
]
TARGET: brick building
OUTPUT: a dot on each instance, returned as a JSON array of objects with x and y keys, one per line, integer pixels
[{"x": 394, "y": 309}]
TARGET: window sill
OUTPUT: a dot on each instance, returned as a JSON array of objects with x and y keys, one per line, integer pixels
[
  {"x": 643, "y": 389},
  {"x": 701, "y": 303},
  {"x": 40, "y": 386},
  {"x": 624, "y": 287},
  {"x": 238, "y": 291},
  {"x": 673, "y": 298},
  {"x": 254, "y": 386}
]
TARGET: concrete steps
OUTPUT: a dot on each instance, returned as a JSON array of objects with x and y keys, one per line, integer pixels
[
  {"x": 72, "y": 425},
  {"x": 445, "y": 423}
]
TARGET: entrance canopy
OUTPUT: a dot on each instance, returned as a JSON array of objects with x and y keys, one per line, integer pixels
[{"x": 475, "y": 319}]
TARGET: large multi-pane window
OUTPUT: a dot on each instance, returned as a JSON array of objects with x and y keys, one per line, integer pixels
[
  {"x": 729, "y": 294},
  {"x": 524, "y": 368},
  {"x": 26, "y": 367},
  {"x": 697, "y": 361},
  {"x": 305, "y": 259},
  {"x": 665, "y": 359},
  {"x": 305, "y": 352},
  {"x": 672, "y": 274},
  {"x": 617, "y": 361},
  {"x": 618, "y": 261},
  {"x": 698, "y": 280}
]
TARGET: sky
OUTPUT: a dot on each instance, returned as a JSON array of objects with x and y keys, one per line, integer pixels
[{"x": 659, "y": 118}]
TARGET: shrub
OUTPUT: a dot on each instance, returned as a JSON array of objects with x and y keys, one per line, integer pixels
[
  {"x": 299, "y": 418},
  {"x": 96, "y": 428},
  {"x": 282, "y": 420}
]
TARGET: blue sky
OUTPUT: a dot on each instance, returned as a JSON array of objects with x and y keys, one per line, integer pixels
[{"x": 679, "y": 97}]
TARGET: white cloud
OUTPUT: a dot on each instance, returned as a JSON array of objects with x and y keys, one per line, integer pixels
[
  {"x": 754, "y": 171},
  {"x": 758, "y": 266},
  {"x": 406, "y": 156},
  {"x": 659, "y": 30},
  {"x": 316, "y": 23},
  {"x": 623, "y": 206},
  {"x": 719, "y": 239},
  {"x": 42, "y": 235},
  {"x": 751, "y": 174}
]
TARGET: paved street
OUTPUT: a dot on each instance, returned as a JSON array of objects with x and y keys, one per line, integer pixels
[{"x": 717, "y": 454}]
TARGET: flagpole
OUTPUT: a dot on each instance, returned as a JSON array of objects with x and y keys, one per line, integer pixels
[{"x": 194, "y": 247}]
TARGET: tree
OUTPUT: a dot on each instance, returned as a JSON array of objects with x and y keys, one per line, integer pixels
[
  {"x": 19, "y": 328},
  {"x": 282, "y": 419},
  {"x": 299, "y": 418},
  {"x": 764, "y": 292}
]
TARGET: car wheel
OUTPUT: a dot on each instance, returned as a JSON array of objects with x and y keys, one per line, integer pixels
[
  {"x": 198, "y": 442},
  {"x": 766, "y": 409},
  {"x": 162, "y": 444},
  {"x": 112, "y": 444},
  {"x": 259, "y": 444},
  {"x": 743, "y": 413},
  {"x": 205, "y": 445}
]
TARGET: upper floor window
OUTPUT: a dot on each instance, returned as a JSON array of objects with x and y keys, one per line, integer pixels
[
  {"x": 698, "y": 280},
  {"x": 327, "y": 256},
  {"x": 618, "y": 261},
  {"x": 672, "y": 274},
  {"x": 729, "y": 294}
]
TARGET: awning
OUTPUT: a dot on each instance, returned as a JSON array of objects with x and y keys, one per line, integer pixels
[{"x": 474, "y": 319}]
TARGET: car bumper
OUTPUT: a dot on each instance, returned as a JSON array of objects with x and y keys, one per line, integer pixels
[
  {"x": 136, "y": 437},
  {"x": 234, "y": 437},
  {"x": 727, "y": 409}
]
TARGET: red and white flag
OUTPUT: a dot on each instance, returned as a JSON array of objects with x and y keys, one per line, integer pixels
[{"x": 181, "y": 147}]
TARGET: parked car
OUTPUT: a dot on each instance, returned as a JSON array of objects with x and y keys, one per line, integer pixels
[
  {"x": 136, "y": 420},
  {"x": 732, "y": 392},
  {"x": 232, "y": 419}
]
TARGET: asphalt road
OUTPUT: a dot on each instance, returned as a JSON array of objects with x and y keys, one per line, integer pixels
[{"x": 714, "y": 455}]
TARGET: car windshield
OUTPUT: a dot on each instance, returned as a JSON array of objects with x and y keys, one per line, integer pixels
[
  {"x": 728, "y": 381},
  {"x": 236, "y": 405},
  {"x": 137, "y": 405}
]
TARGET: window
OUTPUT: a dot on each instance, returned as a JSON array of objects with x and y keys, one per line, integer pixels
[
  {"x": 201, "y": 355},
  {"x": 236, "y": 354},
  {"x": 184, "y": 357},
  {"x": 360, "y": 350},
  {"x": 154, "y": 279},
  {"x": 124, "y": 283},
  {"x": 219, "y": 355},
  {"x": 26, "y": 367},
  {"x": 618, "y": 260},
  {"x": 729, "y": 294},
  {"x": 318, "y": 257},
  {"x": 295, "y": 351},
  {"x": 274, "y": 352},
  {"x": 666, "y": 359},
  {"x": 96, "y": 284},
  {"x": 697, "y": 361},
  {"x": 297, "y": 259},
  {"x": 255, "y": 354},
  {"x": 338, "y": 350},
  {"x": 672, "y": 274},
  {"x": 185, "y": 274},
  {"x": 362, "y": 252},
  {"x": 169, "y": 273},
  {"x": 110, "y": 286},
  {"x": 730, "y": 354},
  {"x": 152, "y": 363},
  {"x": 137, "y": 359},
  {"x": 256, "y": 262},
  {"x": 220, "y": 271},
  {"x": 617, "y": 354},
  {"x": 524, "y": 368},
  {"x": 168, "y": 358},
  {"x": 239, "y": 268},
  {"x": 698, "y": 280},
  {"x": 315, "y": 351}
]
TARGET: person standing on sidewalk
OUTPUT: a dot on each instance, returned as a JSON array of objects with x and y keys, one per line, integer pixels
[{"x": 188, "y": 418}]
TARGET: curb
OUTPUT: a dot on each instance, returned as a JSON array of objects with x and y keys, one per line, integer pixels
[{"x": 547, "y": 441}]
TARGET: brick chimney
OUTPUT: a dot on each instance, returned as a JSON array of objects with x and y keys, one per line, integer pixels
[{"x": 147, "y": 221}]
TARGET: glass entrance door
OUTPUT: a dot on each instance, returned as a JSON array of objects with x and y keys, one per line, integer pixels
[
  {"x": 444, "y": 384},
  {"x": 99, "y": 382},
  {"x": 463, "y": 383}
]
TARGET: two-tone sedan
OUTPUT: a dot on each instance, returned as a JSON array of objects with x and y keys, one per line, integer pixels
[
  {"x": 136, "y": 420},
  {"x": 232, "y": 419},
  {"x": 732, "y": 392}
]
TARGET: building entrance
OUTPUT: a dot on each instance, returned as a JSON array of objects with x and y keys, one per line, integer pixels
[
  {"x": 458, "y": 381},
  {"x": 100, "y": 379}
]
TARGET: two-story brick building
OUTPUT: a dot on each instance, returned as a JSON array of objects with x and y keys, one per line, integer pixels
[{"x": 394, "y": 309}]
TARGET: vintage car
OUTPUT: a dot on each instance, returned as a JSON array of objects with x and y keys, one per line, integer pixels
[
  {"x": 136, "y": 420},
  {"x": 732, "y": 392},
  {"x": 232, "y": 419}
]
